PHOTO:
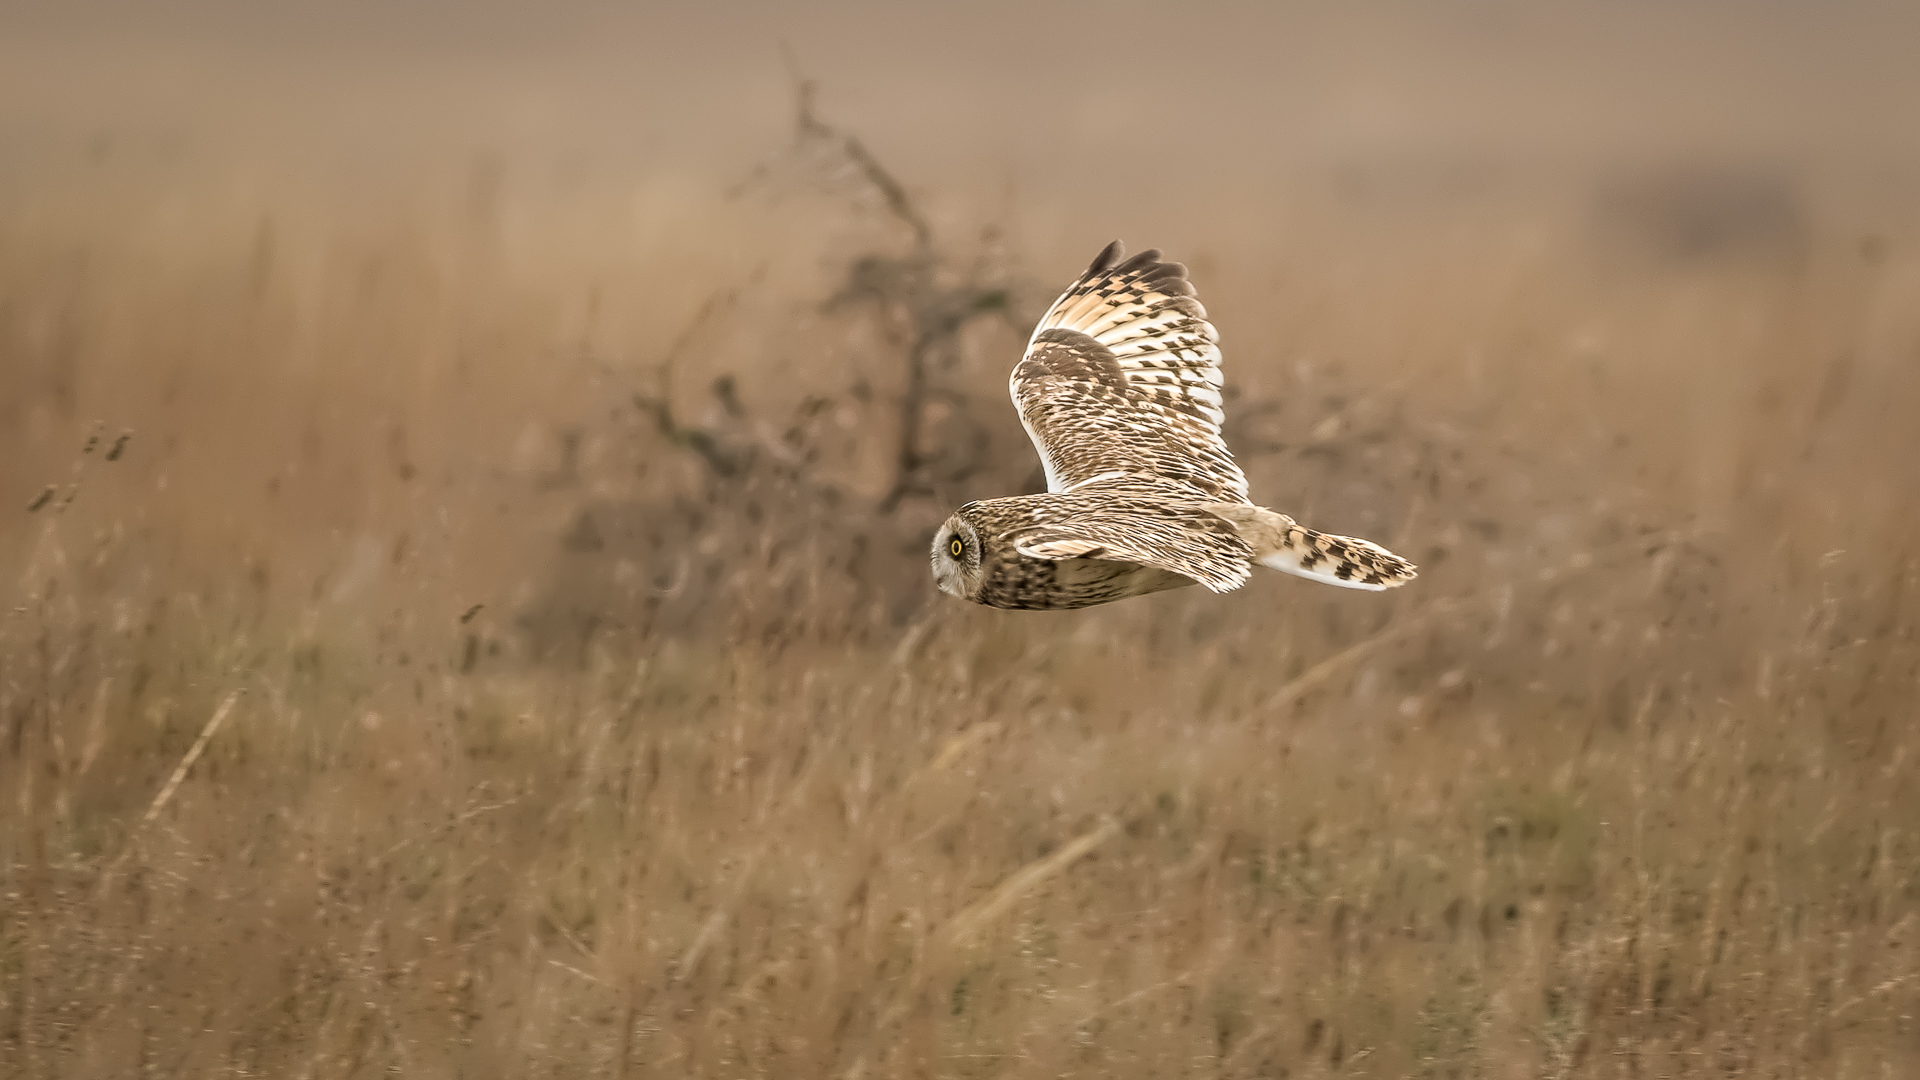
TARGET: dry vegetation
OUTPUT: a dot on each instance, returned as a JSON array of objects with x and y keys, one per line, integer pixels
[{"x": 466, "y": 670}]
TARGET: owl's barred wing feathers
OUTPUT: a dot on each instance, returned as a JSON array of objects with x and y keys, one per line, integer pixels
[
  {"x": 1122, "y": 376},
  {"x": 1280, "y": 543},
  {"x": 1127, "y": 520}
]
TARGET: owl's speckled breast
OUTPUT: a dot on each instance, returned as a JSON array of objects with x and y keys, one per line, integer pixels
[{"x": 1022, "y": 583}]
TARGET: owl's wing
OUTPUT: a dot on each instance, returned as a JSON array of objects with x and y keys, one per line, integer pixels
[
  {"x": 1122, "y": 376},
  {"x": 1154, "y": 524}
]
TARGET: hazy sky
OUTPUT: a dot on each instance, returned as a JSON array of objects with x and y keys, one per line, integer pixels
[{"x": 1155, "y": 87}]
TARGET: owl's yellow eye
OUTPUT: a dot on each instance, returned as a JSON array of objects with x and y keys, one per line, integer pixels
[{"x": 956, "y": 547}]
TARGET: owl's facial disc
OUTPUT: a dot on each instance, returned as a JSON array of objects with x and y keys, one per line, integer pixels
[{"x": 956, "y": 559}]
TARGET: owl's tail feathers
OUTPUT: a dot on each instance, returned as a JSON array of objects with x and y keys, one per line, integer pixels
[{"x": 1281, "y": 544}]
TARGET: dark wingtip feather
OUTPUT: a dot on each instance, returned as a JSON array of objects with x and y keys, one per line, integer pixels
[
  {"x": 1168, "y": 277},
  {"x": 1147, "y": 267},
  {"x": 1108, "y": 256}
]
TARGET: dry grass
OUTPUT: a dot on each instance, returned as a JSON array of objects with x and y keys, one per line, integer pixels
[{"x": 711, "y": 785}]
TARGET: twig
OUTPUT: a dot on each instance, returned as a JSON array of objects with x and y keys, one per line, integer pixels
[
  {"x": 464, "y": 817},
  {"x": 966, "y": 924},
  {"x": 1319, "y": 673},
  {"x": 912, "y": 410},
  {"x": 1310, "y": 679},
  {"x": 660, "y": 404},
  {"x": 1185, "y": 978},
  {"x": 1879, "y": 991},
  {"x": 963, "y": 742},
  {"x": 689, "y": 961},
  {"x": 975, "y": 916},
  {"x": 723, "y": 912},
  {"x": 172, "y": 785},
  {"x": 193, "y": 754},
  {"x": 811, "y": 126},
  {"x": 569, "y": 967},
  {"x": 896, "y": 195}
]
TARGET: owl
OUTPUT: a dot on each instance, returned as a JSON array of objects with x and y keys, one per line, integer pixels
[{"x": 1120, "y": 392}]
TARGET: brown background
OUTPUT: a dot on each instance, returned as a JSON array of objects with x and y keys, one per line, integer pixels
[{"x": 1603, "y": 314}]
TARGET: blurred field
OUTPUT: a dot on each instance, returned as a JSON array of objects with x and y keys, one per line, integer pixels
[{"x": 511, "y": 429}]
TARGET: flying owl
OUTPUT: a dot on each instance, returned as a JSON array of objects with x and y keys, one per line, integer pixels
[{"x": 1120, "y": 392}]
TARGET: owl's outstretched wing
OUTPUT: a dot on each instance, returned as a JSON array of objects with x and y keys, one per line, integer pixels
[
  {"x": 1122, "y": 376},
  {"x": 1128, "y": 519}
]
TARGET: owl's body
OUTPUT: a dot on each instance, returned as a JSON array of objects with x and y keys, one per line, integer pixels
[
  {"x": 1160, "y": 524},
  {"x": 1120, "y": 391}
]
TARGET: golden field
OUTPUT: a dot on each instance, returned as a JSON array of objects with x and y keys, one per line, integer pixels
[{"x": 502, "y": 642}]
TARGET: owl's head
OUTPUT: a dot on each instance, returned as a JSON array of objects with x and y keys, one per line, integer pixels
[{"x": 957, "y": 558}]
